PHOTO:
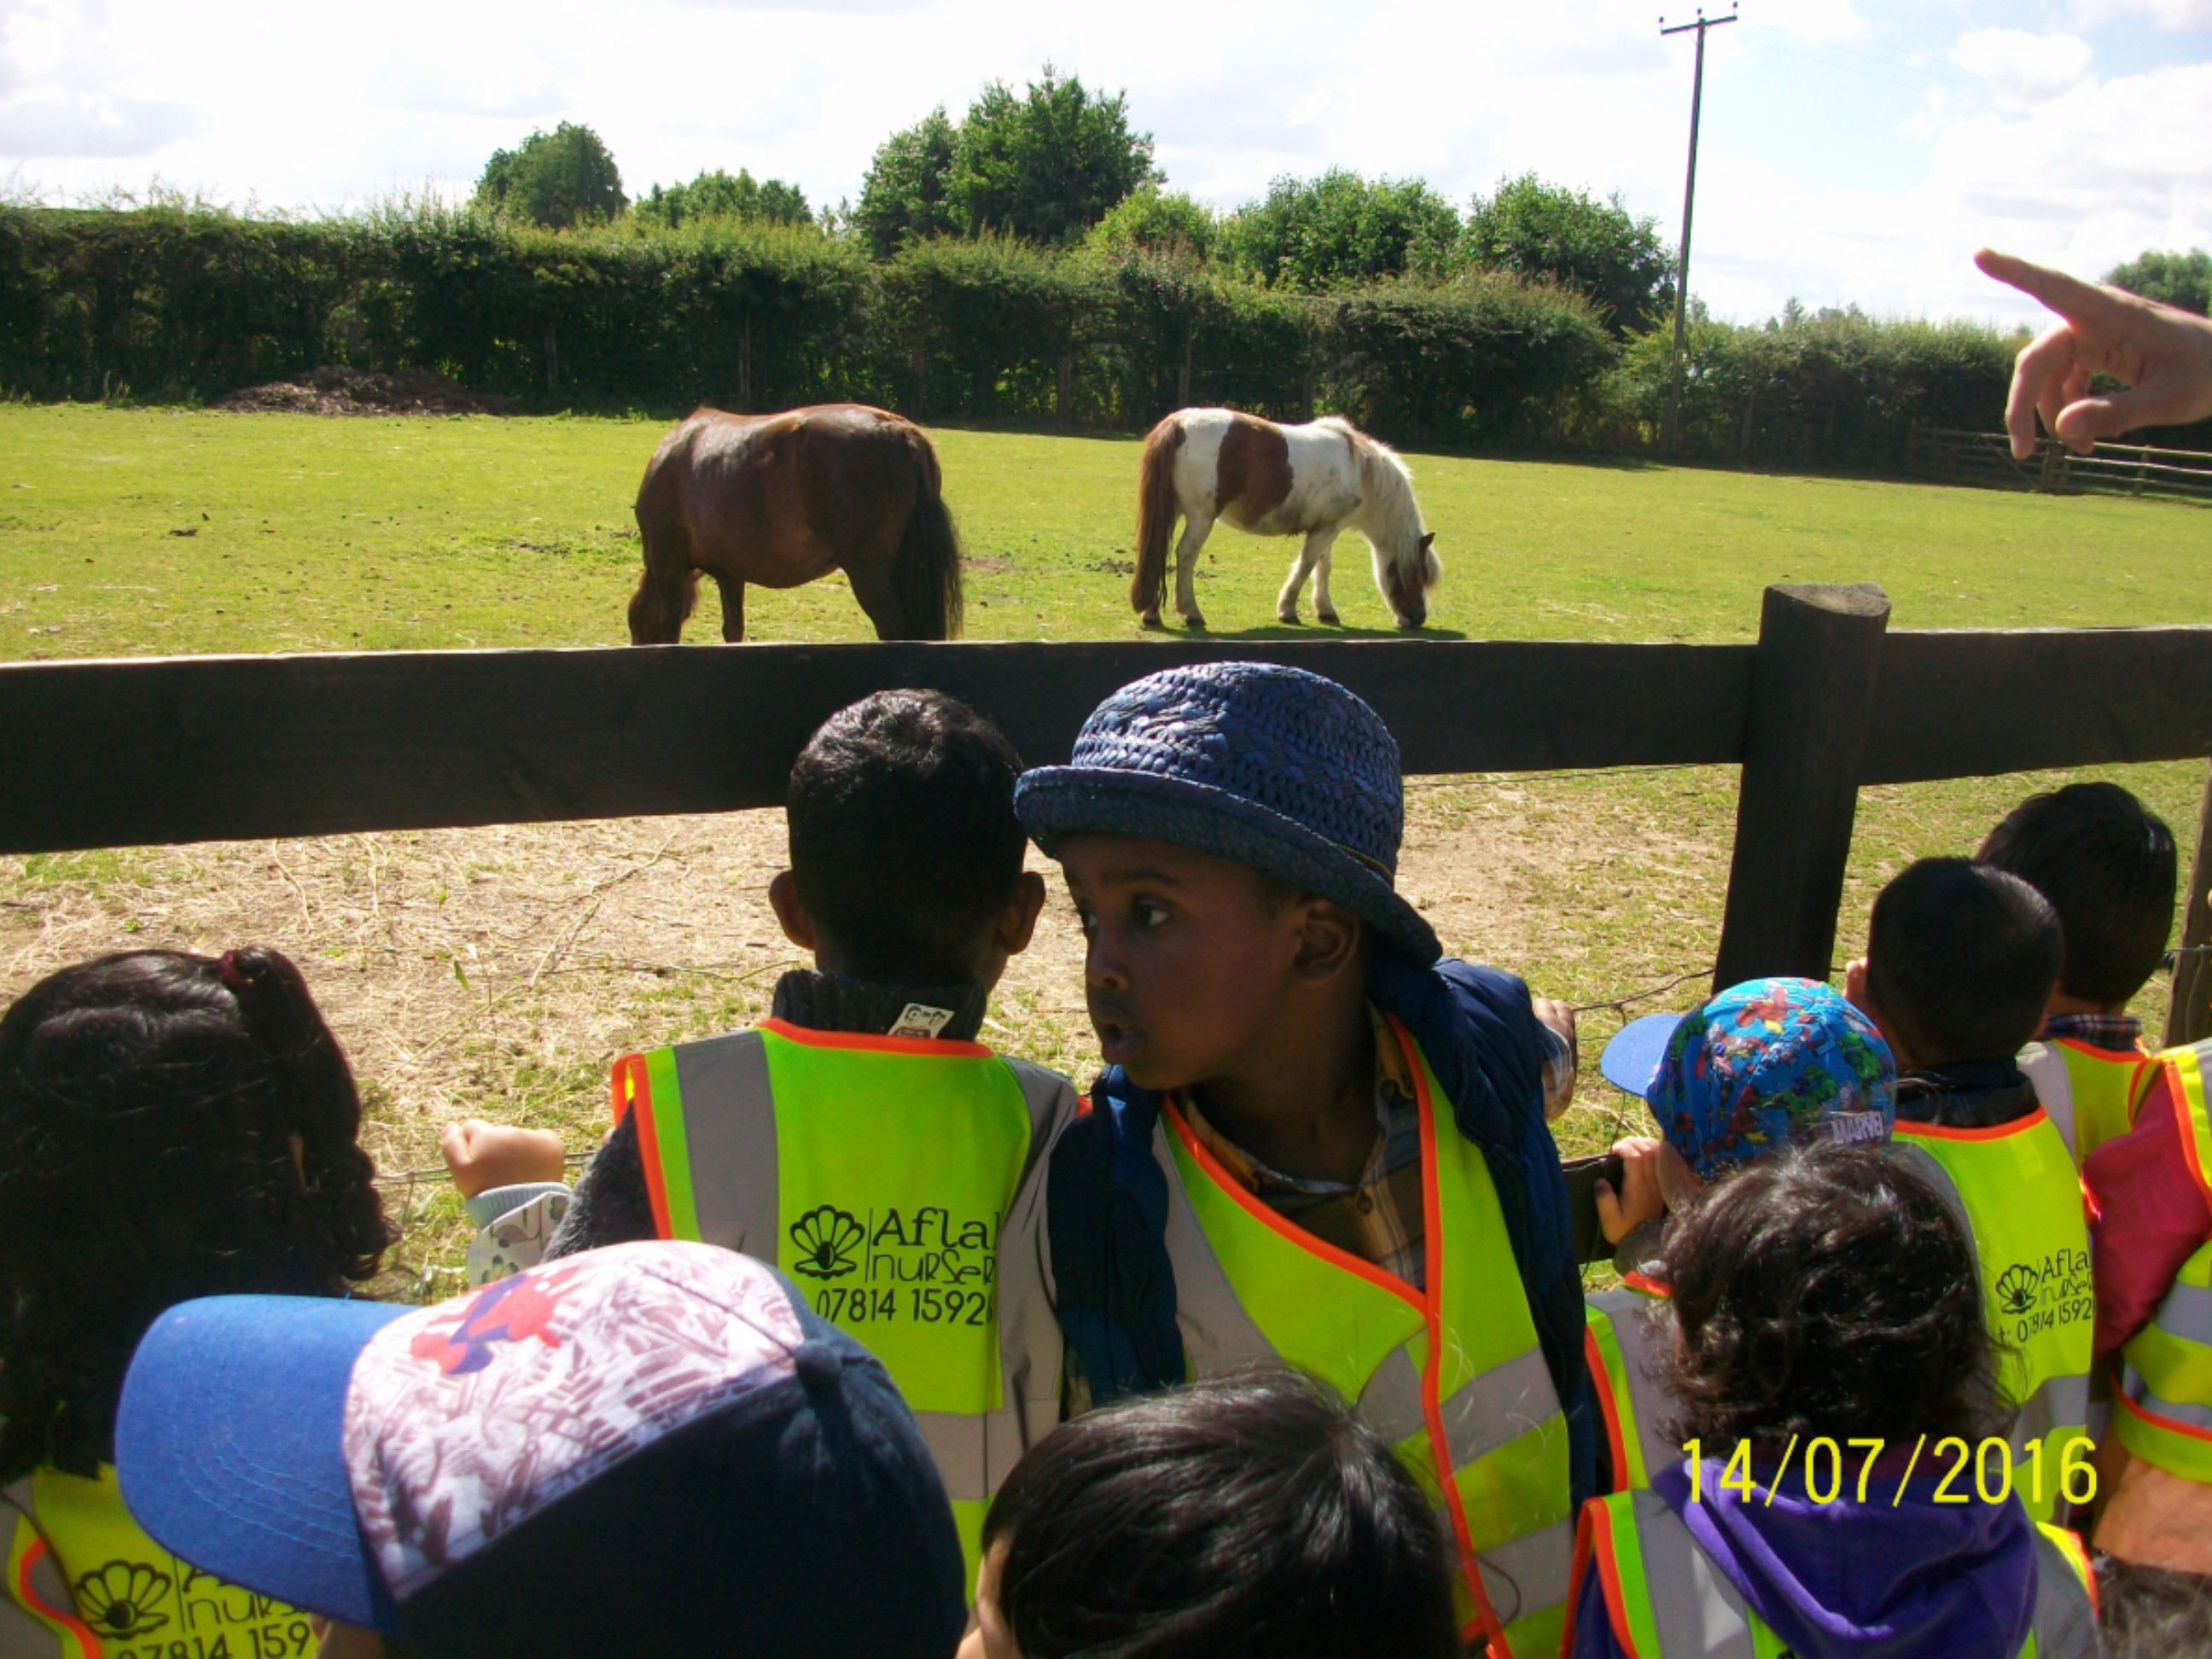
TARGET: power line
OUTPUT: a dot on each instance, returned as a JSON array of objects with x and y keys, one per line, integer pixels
[{"x": 1670, "y": 434}]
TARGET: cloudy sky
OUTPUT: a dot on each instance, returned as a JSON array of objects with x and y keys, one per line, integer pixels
[{"x": 1853, "y": 150}]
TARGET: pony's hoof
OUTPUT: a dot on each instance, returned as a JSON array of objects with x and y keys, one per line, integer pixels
[
  {"x": 1329, "y": 616},
  {"x": 1196, "y": 623},
  {"x": 1151, "y": 619},
  {"x": 1406, "y": 627},
  {"x": 1291, "y": 617}
]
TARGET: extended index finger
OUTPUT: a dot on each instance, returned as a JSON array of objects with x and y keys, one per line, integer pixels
[{"x": 2069, "y": 296}]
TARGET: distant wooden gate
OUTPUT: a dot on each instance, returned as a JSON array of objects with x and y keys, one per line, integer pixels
[
  {"x": 1945, "y": 455},
  {"x": 128, "y": 752}
]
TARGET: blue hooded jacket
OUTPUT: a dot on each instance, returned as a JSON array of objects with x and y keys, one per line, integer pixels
[{"x": 1109, "y": 1200}]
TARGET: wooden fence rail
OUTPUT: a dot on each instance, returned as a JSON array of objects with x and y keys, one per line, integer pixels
[
  {"x": 1951, "y": 456},
  {"x": 132, "y": 752}
]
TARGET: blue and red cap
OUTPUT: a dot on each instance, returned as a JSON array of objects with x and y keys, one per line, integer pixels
[
  {"x": 1763, "y": 1065},
  {"x": 650, "y": 1446}
]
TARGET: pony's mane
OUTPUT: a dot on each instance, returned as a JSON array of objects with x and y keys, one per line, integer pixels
[{"x": 1389, "y": 481}]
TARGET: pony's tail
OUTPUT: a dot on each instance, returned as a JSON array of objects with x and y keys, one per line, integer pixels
[
  {"x": 1156, "y": 514},
  {"x": 929, "y": 557}
]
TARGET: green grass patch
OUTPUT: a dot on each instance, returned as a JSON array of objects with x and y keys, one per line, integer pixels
[{"x": 141, "y": 531}]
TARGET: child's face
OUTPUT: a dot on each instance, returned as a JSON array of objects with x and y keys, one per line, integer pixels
[{"x": 1188, "y": 964}]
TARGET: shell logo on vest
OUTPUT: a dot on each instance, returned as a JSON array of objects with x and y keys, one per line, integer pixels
[
  {"x": 824, "y": 1239},
  {"x": 123, "y": 1599},
  {"x": 2036, "y": 1296}
]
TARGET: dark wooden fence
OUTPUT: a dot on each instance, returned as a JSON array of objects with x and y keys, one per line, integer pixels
[
  {"x": 121, "y": 753},
  {"x": 1948, "y": 456}
]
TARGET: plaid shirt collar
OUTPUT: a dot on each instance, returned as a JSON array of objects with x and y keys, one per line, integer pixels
[
  {"x": 1393, "y": 1097},
  {"x": 2120, "y": 1034}
]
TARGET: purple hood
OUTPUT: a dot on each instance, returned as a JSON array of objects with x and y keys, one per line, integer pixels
[{"x": 1848, "y": 1580}]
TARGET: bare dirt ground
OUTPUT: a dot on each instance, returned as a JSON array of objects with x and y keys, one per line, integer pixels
[
  {"x": 495, "y": 972},
  {"x": 336, "y": 391}
]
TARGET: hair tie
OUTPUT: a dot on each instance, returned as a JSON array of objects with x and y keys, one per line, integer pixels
[{"x": 225, "y": 969}]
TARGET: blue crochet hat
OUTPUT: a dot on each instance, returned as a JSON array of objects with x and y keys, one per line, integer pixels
[{"x": 1271, "y": 767}]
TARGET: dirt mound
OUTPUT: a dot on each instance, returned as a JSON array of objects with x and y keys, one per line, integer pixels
[{"x": 363, "y": 392}]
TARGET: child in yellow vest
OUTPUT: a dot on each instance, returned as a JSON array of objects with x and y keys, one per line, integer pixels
[
  {"x": 171, "y": 1127},
  {"x": 1824, "y": 1340},
  {"x": 861, "y": 1137},
  {"x": 1317, "y": 1145},
  {"x": 2106, "y": 863}
]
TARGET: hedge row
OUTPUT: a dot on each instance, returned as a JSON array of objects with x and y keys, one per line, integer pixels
[{"x": 168, "y": 305}]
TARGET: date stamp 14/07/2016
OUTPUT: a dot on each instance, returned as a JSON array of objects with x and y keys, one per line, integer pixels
[{"x": 1970, "y": 1471}]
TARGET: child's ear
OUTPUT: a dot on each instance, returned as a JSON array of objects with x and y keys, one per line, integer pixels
[
  {"x": 1329, "y": 939},
  {"x": 790, "y": 914},
  {"x": 1019, "y": 923}
]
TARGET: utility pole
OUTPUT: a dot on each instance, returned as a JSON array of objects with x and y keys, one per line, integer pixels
[{"x": 1670, "y": 434}]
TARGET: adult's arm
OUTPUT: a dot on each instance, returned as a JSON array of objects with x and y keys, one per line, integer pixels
[{"x": 2162, "y": 356}]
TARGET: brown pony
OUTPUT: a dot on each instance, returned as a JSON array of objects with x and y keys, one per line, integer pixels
[{"x": 781, "y": 498}]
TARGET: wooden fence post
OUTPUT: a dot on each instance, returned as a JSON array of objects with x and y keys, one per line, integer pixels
[
  {"x": 2189, "y": 1017},
  {"x": 1805, "y": 736}
]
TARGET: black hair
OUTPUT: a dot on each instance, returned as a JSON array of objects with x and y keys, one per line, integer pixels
[
  {"x": 904, "y": 845},
  {"x": 1961, "y": 960},
  {"x": 2108, "y": 865},
  {"x": 1242, "y": 1517},
  {"x": 1827, "y": 1290},
  {"x": 2153, "y": 1613},
  {"x": 171, "y": 1127}
]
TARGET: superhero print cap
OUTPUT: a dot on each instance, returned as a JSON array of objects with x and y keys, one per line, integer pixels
[
  {"x": 647, "y": 1446},
  {"x": 1766, "y": 1064}
]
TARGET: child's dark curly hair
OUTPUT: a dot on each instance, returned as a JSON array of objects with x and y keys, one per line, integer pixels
[
  {"x": 171, "y": 1127},
  {"x": 1827, "y": 1291}
]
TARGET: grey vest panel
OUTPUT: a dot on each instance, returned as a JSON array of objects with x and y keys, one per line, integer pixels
[
  {"x": 1631, "y": 1315},
  {"x": 2065, "y": 1617},
  {"x": 2046, "y": 1069},
  {"x": 729, "y": 1121},
  {"x": 21, "y": 1635}
]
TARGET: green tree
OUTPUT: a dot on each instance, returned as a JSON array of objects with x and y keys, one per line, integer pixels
[
  {"x": 716, "y": 194},
  {"x": 1154, "y": 221},
  {"x": 2178, "y": 279},
  {"x": 557, "y": 178},
  {"x": 908, "y": 191},
  {"x": 1049, "y": 164},
  {"x": 1536, "y": 230},
  {"x": 1326, "y": 232}
]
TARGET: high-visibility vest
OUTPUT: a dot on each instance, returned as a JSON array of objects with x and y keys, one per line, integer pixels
[
  {"x": 79, "y": 1565},
  {"x": 899, "y": 1181},
  {"x": 1664, "y": 1598},
  {"x": 2162, "y": 1410},
  {"x": 2020, "y": 1197},
  {"x": 2089, "y": 1093},
  {"x": 1451, "y": 1375},
  {"x": 1620, "y": 1345}
]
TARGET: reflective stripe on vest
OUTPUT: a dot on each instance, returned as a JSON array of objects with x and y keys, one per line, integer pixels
[
  {"x": 1665, "y": 1599},
  {"x": 1620, "y": 1345},
  {"x": 899, "y": 1182},
  {"x": 79, "y": 1565},
  {"x": 2090, "y": 1093},
  {"x": 2163, "y": 1410},
  {"x": 1451, "y": 1376},
  {"x": 2020, "y": 1197}
]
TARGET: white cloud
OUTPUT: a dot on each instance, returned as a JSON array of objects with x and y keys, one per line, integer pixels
[
  {"x": 105, "y": 126},
  {"x": 436, "y": 88},
  {"x": 2171, "y": 15},
  {"x": 2022, "y": 67}
]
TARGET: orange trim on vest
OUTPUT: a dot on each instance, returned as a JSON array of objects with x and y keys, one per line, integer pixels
[
  {"x": 2121, "y": 1398},
  {"x": 1644, "y": 1285},
  {"x": 639, "y": 1099},
  {"x": 867, "y": 1043},
  {"x": 2188, "y": 1130},
  {"x": 1427, "y": 1303},
  {"x": 30, "y": 1598},
  {"x": 1995, "y": 1131},
  {"x": 1595, "y": 1533},
  {"x": 2071, "y": 1541},
  {"x": 1608, "y": 1407}
]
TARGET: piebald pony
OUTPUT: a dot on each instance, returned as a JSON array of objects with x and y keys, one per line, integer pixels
[{"x": 1315, "y": 481}]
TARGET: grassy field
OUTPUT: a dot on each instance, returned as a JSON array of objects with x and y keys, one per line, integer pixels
[{"x": 495, "y": 971}]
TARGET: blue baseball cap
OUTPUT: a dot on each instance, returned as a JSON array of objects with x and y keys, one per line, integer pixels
[
  {"x": 462, "y": 1475},
  {"x": 1762, "y": 1064}
]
